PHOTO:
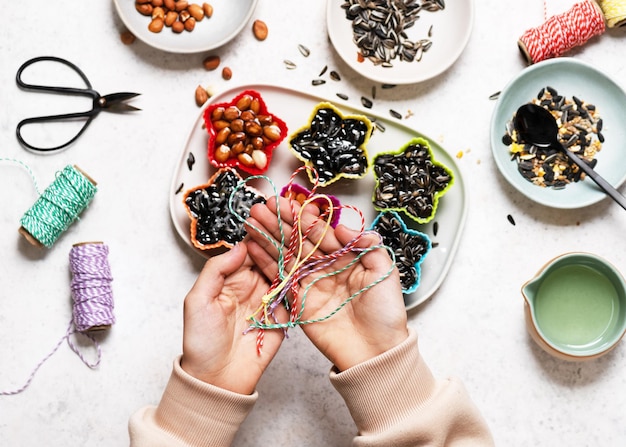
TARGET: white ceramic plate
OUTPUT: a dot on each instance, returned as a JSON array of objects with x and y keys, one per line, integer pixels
[
  {"x": 295, "y": 109},
  {"x": 570, "y": 77},
  {"x": 229, "y": 17},
  {"x": 451, "y": 29}
]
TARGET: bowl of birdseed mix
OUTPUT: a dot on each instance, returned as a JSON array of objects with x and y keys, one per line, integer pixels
[
  {"x": 399, "y": 41},
  {"x": 588, "y": 107}
]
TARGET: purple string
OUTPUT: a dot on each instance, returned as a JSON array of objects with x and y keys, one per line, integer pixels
[
  {"x": 93, "y": 303},
  {"x": 91, "y": 286}
]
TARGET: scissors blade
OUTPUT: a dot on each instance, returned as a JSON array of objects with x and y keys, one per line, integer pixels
[{"x": 115, "y": 102}]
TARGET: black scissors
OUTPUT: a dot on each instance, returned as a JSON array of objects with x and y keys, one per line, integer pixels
[{"x": 112, "y": 103}]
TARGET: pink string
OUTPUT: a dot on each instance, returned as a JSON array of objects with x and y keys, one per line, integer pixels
[{"x": 562, "y": 32}]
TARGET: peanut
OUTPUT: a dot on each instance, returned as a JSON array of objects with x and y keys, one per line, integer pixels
[
  {"x": 144, "y": 9},
  {"x": 227, "y": 73},
  {"x": 211, "y": 62},
  {"x": 241, "y": 135},
  {"x": 201, "y": 96},
  {"x": 127, "y": 38},
  {"x": 259, "y": 28},
  {"x": 190, "y": 24},
  {"x": 180, "y": 15},
  {"x": 178, "y": 26},
  {"x": 196, "y": 11},
  {"x": 156, "y": 26},
  {"x": 208, "y": 9},
  {"x": 170, "y": 18},
  {"x": 181, "y": 5}
]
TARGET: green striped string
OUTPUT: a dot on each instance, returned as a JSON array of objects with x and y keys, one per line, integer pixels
[
  {"x": 58, "y": 206},
  {"x": 255, "y": 323},
  {"x": 25, "y": 166}
]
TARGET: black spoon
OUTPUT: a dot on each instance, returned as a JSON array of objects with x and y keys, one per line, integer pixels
[{"x": 537, "y": 126}]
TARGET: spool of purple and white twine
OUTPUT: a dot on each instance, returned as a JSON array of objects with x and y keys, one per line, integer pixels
[
  {"x": 93, "y": 302},
  {"x": 91, "y": 286}
]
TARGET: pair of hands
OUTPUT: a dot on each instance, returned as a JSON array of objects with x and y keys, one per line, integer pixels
[{"x": 230, "y": 287}]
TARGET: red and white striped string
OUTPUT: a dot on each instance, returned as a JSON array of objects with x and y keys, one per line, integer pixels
[{"x": 562, "y": 32}]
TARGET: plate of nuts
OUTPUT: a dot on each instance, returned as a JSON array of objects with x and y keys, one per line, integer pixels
[
  {"x": 399, "y": 41},
  {"x": 183, "y": 26},
  {"x": 589, "y": 108},
  {"x": 196, "y": 176}
]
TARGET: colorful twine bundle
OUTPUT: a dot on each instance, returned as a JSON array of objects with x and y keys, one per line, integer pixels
[
  {"x": 562, "y": 32},
  {"x": 614, "y": 12},
  {"x": 58, "y": 206},
  {"x": 285, "y": 287},
  {"x": 93, "y": 302}
]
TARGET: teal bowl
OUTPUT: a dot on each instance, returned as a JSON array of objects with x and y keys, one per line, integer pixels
[{"x": 575, "y": 306}]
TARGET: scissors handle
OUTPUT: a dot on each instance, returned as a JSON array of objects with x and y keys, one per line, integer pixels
[
  {"x": 90, "y": 115},
  {"x": 89, "y": 91}
]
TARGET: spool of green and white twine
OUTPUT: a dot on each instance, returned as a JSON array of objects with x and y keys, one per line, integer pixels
[{"x": 58, "y": 207}]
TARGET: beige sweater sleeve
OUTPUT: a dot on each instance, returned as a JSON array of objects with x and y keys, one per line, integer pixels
[
  {"x": 191, "y": 413},
  {"x": 395, "y": 400}
]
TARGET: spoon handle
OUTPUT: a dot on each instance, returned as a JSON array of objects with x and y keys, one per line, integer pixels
[{"x": 600, "y": 181}]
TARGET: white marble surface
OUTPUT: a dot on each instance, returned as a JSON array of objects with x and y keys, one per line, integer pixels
[{"x": 473, "y": 327}]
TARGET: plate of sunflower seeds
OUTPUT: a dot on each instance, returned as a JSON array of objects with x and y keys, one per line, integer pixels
[
  {"x": 297, "y": 109},
  {"x": 399, "y": 41},
  {"x": 589, "y": 108}
]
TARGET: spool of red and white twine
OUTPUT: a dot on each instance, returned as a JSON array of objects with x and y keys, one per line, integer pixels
[
  {"x": 562, "y": 32},
  {"x": 92, "y": 302}
]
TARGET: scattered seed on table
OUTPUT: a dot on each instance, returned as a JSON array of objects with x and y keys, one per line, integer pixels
[
  {"x": 373, "y": 92},
  {"x": 367, "y": 103},
  {"x": 435, "y": 228},
  {"x": 335, "y": 76},
  {"x": 180, "y": 188},
  {"x": 304, "y": 50},
  {"x": 387, "y": 86},
  {"x": 511, "y": 220},
  {"x": 430, "y": 31},
  {"x": 434, "y": 245},
  {"x": 190, "y": 160},
  {"x": 290, "y": 65},
  {"x": 323, "y": 71},
  {"x": 342, "y": 96},
  {"x": 318, "y": 82},
  {"x": 395, "y": 114},
  {"x": 495, "y": 95},
  {"x": 379, "y": 126}
]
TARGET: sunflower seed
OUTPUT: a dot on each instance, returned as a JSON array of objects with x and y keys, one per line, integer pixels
[
  {"x": 290, "y": 65},
  {"x": 395, "y": 114},
  {"x": 190, "y": 160},
  {"x": 304, "y": 50}
]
